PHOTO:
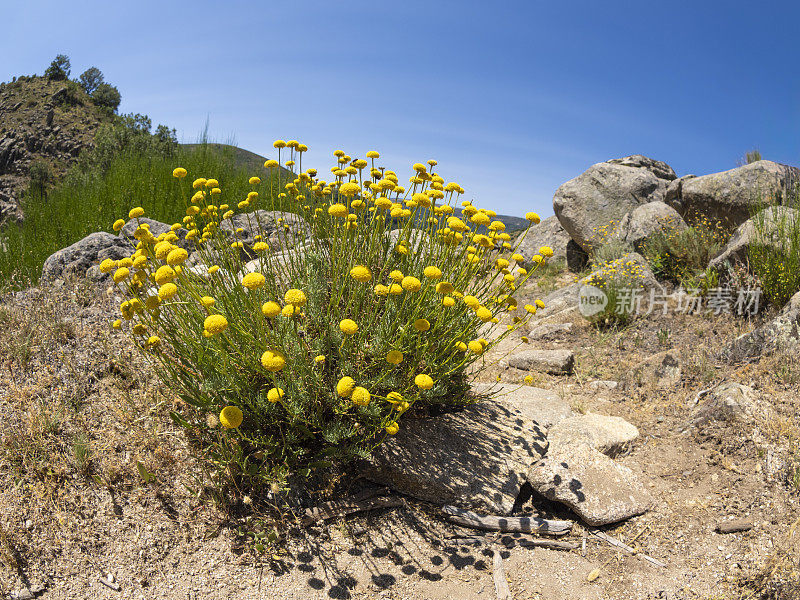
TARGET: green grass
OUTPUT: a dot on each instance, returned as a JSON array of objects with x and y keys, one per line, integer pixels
[{"x": 86, "y": 202}]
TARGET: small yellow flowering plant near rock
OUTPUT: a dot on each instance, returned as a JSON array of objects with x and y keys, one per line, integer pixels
[{"x": 309, "y": 330}]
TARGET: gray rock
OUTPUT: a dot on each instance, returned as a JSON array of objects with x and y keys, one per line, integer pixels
[
  {"x": 596, "y": 488},
  {"x": 675, "y": 192},
  {"x": 770, "y": 228},
  {"x": 646, "y": 220},
  {"x": 609, "y": 435},
  {"x": 590, "y": 206},
  {"x": 577, "y": 257},
  {"x": 657, "y": 167},
  {"x": 729, "y": 402},
  {"x": 547, "y": 233},
  {"x": 732, "y": 195},
  {"x": 663, "y": 370},
  {"x": 549, "y": 331},
  {"x": 540, "y": 406},
  {"x": 476, "y": 457},
  {"x": 80, "y": 256},
  {"x": 280, "y": 230},
  {"x": 780, "y": 334},
  {"x": 555, "y": 362},
  {"x": 602, "y": 385}
]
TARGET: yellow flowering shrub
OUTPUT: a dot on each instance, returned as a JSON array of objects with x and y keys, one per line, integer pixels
[{"x": 313, "y": 355}]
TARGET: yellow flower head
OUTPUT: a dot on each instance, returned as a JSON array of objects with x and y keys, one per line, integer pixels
[
  {"x": 361, "y": 273},
  {"x": 411, "y": 284},
  {"x": 448, "y": 301},
  {"x": 476, "y": 347},
  {"x": 254, "y": 180},
  {"x": 167, "y": 291},
  {"x": 348, "y": 326},
  {"x": 164, "y": 274},
  {"x": 177, "y": 256},
  {"x": 136, "y": 212},
  {"x": 484, "y": 314},
  {"x": 253, "y": 281},
  {"x": 360, "y": 396},
  {"x": 117, "y": 324},
  {"x": 422, "y": 325},
  {"x": 546, "y": 251},
  {"x": 231, "y": 417},
  {"x": 539, "y": 303},
  {"x": 153, "y": 341},
  {"x": 472, "y": 302},
  {"x": 295, "y": 297},
  {"x": 215, "y": 324},
  {"x": 528, "y": 379},
  {"x": 273, "y": 361},
  {"x": 392, "y": 428},
  {"x": 290, "y": 310},
  {"x": 423, "y": 382},
  {"x": 349, "y": 189},
  {"x": 121, "y": 274},
  {"x": 270, "y": 309},
  {"x": 107, "y": 265},
  {"x": 179, "y": 173},
  {"x": 345, "y": 386},
  {"x": 207, "y": 301},
  {"x": 118, "y": 225},
  {"x": 532, "y": 217},
  {"x": 396, "y": 275},
  {"x": 394, "y": 357},
  {"x": 274, "y": 394},
  {"x": 444, "y": 287},
  {"x": 432, "y": 272},
  {"x": 373, "y": 154},
  {"x": 319, "y": 359},
  {"x": 338, "y": 210}
]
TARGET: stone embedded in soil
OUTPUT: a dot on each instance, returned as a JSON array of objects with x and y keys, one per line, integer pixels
[
  {"x": 540, "y": 406},
  {"x": 474, "y": 457},
  {"x": 605, "y": 434},
  {"x": 554, "y": 362},
  {"x": 663, "y": 370},
  {"x": 549, "y": 331},
  {"x": 599, "y": 490}
]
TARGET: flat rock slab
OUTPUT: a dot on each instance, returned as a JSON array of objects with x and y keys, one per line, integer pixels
[
  {"x": 541, "y": 406},
  {"x": 554, "y": 362},
  {"x": 596, "y": 488},
  {"x": 476, "y": 457},
  {"x": 549, "y": 331},
  {"x": 608, "y": 435}
]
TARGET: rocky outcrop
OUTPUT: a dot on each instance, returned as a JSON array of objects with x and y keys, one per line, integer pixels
[
  {"x": 547, "y": 233},
  {"x": 609, "y": 435},
  {"x": 590, "y": 206},
  {"x": 770, "y": 228},
  {"x": 541, "y": 406},
  {"x": 647, "y": 220},
  {"x": 732, "y": 196},
  {"x": 782, "y": 333},
  {"x": 661, "y": 370},
  {"x": 476, "y": 457},
  {"x": 79, "y": 257},
  {"x": 599, "y": 490}
]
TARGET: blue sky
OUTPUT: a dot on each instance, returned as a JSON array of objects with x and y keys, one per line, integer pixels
[{"x": 512, "y": 98}]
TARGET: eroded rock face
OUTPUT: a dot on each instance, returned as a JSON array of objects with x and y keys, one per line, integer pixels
[
  {"x": 80, "y": 256},
  {"x": 599, "y": 490},
  {"x": 657, "y": 167},
  {"x": 555, "y": 362},
  {"x": 590, "y": 206},
  {"x": 541, "y": 406},
  {"x": 732, "y": 195},
  {"x": 647, "y": 220},
  {"x": 608, "y": 435},
  {"x": 769, "y": 228},
  {"x": 476, "y": 457},
  {"x": 547, "y": 233}
]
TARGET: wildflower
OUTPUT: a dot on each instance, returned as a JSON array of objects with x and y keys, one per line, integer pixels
[
  {"x": 396, "y": 275},
  {"x": 167, "y": 291},
  {"x": 121, "y": 274},
  {"x": 345, "y": 386},
  {"x": 179, "y": 173},
  {"x": 177, "y": 256},
  {"x": 444, "y": 287},
  {"x": 338, "y": 210},
  {"x": 231, "y": 417},
  {"x": 164, "y": 274},
  {"x": 117, "y": 324},
  {"x": 394, "y": 357},
  {"x": 254, "y": 180},
  {"x": 484, "y": 314},
  {"x": 253, "y": 281},
  {"x": 118, "y": 225},
  {"x": 480, "y": 219},
  {"x": 319, "y": 359},
  {"x": 107, "y": 265},
  {"x": 348, "y": 326},
  {"x": 476, "y": 347},
  {"x": 153, "y": 341},
  {"x": 373, "y": 154},
  {"x": 360, "y": 273},
  {"x": 215, "y": 324},
  {"x": 212, "y": 269},
  {"x": 423, "y": 382},
  {"x": 394, "y": 397},
  {"x": 295, "y": 297},
  {"x": 273, "y": 361},
  {"x": 136, "y": 212},
  {"x": 360, "y": 396},
  {"x": 349, "y": 189},
  {"x": 432, "y": 272},
  {"x": 546, "y": 251},
  {"x": 532, "y": 217},
  {"x": 422, "y": 325},
  {"x": 528, "y": 379},
  {"x": 392, "y": 428},
  {"x": 207, "y": 301},
  {"x": 530, "y": 308},
  {"x": 275, "y": 394},
  {"x": 139, "y": 329},
  {"x": 539, "y": 303},
  {"x": 395, "y": 289},
  {"x": 290, "y": 310},
  {"x": 411, "y": 284},
  {"x": 448, "y": 301},
  {"x": 472, "y": 302}
]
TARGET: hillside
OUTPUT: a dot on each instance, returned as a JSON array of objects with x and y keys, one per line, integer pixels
[{"x": 41, "y": 121}]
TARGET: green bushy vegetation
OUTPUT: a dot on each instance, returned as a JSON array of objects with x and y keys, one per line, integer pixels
[
  {"x": 312, "y": 357},
  {"x": 774, "y": 257}
]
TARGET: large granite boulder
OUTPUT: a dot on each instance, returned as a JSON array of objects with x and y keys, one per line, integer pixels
[
  {"x": 770, "y": 228},
  {"x": 547, "y": 233},
  {"x": 80, "y": 256},
  {"x": 732, "y": 196},
  {"x": 476, "y": 457},
  {"x": 647, "y": 220},
  {"x": 590, "y": 206}
]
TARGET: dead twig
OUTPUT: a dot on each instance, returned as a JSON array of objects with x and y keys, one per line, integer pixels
[
  {"x": 500, "y": 582},
  {"x": 468, "y": 518},
  {"x": 615, "y": 542},
  {"x": 348, "y": 506}
]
